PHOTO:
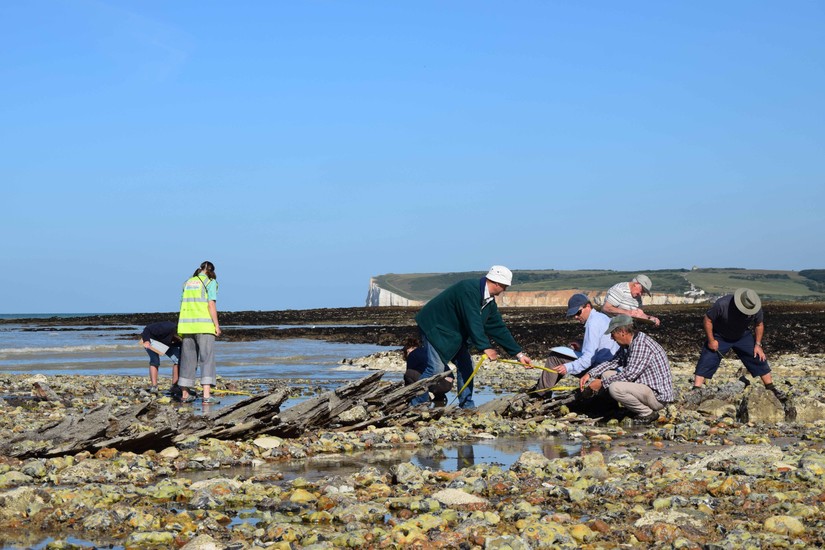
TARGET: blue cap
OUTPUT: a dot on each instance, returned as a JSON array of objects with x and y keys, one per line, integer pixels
[{"x": 575, "y": 303}]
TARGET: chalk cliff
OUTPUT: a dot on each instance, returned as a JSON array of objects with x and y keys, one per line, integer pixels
[{"x": 378, "y": 296}]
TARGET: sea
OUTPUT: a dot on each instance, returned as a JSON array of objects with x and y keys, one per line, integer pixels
[{"x": 55, "y": 349}]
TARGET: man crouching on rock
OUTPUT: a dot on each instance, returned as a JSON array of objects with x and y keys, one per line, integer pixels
[
  {"x": 638, "y": 377},
  {"x": 463, "y": 313}
]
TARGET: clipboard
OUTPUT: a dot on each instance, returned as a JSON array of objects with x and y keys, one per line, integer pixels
[{"x": 158, "y": 347}]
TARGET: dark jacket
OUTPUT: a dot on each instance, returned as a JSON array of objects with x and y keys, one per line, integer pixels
[
  {"x": 455, "y": 316},
  {"x": 163, "y": 331}
]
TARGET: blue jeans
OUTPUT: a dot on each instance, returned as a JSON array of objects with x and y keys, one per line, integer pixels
[
  {"x": 709, "y": 360},
  {"x": 464, "y": 368},
  {"x": 172, "y": 353}
]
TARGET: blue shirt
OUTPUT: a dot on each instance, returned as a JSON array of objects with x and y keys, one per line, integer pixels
[{"x": 597, "y": 346}]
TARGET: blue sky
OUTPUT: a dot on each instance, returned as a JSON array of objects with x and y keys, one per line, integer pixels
[{"x": 305, "y": 146}]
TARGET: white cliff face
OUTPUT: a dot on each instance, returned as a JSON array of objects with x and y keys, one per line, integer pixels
[
  {"x": 378, "y": 296},
  {"x": 558, "y": 298}
]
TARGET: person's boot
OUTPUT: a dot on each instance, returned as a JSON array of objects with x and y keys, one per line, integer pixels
[
  {"x": 782, "y": 396},
  {"x": 646, "y": 419}
]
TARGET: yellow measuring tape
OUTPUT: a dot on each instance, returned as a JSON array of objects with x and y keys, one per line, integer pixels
[
  {"x": 226, "y": 392},
  {"x": 467, "y": 383},
  {"x": 511, "y": 362}
]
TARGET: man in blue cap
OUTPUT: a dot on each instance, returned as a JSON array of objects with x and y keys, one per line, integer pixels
[{"x": 596, "y": 348}]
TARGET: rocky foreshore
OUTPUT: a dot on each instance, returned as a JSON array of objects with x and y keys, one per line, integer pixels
[{"x": 728, "y": 467}]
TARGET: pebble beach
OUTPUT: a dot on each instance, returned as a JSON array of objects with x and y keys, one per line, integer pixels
[{"x": 701, "y": 477}]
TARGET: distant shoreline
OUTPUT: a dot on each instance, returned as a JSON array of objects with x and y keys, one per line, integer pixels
[{"x": 797, "y": 327}]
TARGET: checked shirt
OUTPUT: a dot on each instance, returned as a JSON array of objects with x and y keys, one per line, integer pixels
[{"x": 645, "y": 362}]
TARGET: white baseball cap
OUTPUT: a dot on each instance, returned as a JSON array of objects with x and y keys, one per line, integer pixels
[{"x": 500, "y": 274}]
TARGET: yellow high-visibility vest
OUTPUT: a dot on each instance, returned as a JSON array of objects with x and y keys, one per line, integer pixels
[{"x": 194, "y": 308}]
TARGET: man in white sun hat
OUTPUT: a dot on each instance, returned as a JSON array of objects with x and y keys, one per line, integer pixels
[
  {"x": 626, "y": 299},
  {"x": 461, "y": 317},
  {"x": 727, "y": 326}
]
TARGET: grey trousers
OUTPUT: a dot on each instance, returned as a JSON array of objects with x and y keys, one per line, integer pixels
[
  {"x": 548, "y": 379},
  {"x": 637, "y": 398},
  {"x": 197, "y": 351}
]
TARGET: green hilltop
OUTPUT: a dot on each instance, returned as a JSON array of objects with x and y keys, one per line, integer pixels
[{"x": 806, "y": 285}]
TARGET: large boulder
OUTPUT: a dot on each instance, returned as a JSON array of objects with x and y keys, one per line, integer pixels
[
  {"x": 806, "y": 410},
  {"x": 762, "y": 407}
]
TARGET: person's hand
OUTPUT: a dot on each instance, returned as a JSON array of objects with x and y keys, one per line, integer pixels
[
  {"x": 595, "y": 384},
  {"x": 217, "y": 330},
  {"x": 491, "y": 354},
  {"x": 561, "y": 369},
  {"x": 583, "y": 381},
  {"x": 655, "y": 320},
  {"x": 526, "y": 361},
  {"x": 758, "y": 352},
  {"x": 146, "y": 345},
  {"x": 574, "y": 346},
  {"x": 713, "y": 345}
]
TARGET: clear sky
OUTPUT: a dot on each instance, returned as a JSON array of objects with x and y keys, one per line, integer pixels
[{"x": 305, "y": 146}]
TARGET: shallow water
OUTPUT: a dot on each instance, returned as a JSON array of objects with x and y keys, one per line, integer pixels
[
  {"x": 448, "y": 457},
  {"x": 90, "y": 350}
]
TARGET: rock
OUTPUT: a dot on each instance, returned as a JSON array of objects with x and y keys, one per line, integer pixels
[
  {"x": 457, "y": 497},
  {"x": 506, "y": 542},
  {"x": 302, "y": 496},
  {"x": 13, "y": 479},
  {"x": 407, "y": 473},
  {"x": 806, "y": 409},
  {"x": 717, "y": 408},
  {"x": 531, "y": 460},
  {"x": 203, "y": 542},
  {"x": 354, "y": 415},
  {"x": 761, "y": 406},
  {"x": 170, "y": 453},
  {"x": 19, "y": 503},
  {"x": 91, "y": 470},
  {"x": 784, "y": 525},
  {"x": 150, "y": 538},
  {"x": 582, "y": 532}
]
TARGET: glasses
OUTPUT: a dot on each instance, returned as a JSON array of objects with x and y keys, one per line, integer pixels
[{"x": 579, "y": 313}]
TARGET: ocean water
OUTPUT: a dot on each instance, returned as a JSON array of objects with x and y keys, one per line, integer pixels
[{"x": 91, "y": 350}]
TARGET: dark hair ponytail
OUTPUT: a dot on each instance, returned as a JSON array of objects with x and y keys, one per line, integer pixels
[{"x": 209, "y": 268}]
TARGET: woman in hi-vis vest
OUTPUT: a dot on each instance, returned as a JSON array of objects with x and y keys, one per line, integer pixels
[{"x": 198, "y": 326}]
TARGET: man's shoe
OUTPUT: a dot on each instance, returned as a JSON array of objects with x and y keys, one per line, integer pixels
[
  {"x": 782, "y": 396},
  {"x": 646, "y": 419}
]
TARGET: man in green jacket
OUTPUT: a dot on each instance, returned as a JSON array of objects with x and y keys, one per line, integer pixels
[{"x": 465, "y": 315}]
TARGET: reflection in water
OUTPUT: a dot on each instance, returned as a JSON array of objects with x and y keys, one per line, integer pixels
[
  {"x": 501, "y": 452},
  {"x": 448, "y": 458}
]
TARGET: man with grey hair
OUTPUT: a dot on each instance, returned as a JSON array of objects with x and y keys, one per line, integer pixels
[
  {"x": 626, "y": 299},
  {"x": 638, "y": 377},
  {"x": 462, "y": 315},
  {"x": 727, "y": 326}
]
